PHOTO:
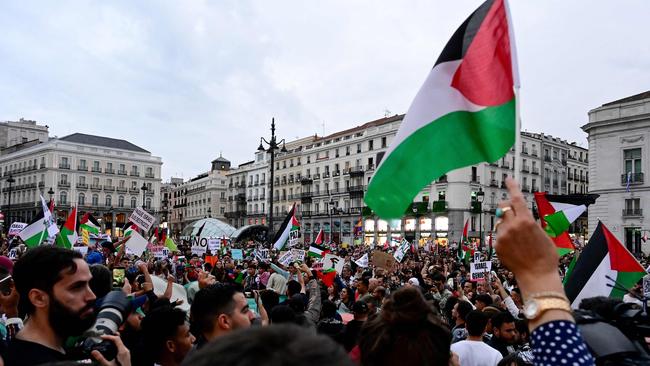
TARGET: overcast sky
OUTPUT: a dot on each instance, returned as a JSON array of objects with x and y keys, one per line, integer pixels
[{"x": 187, "y": 80}]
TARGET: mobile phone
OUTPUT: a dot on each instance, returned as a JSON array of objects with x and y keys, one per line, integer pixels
[
  {"x": 118, "y": 276},
  {"x": 5, "y": 285}
]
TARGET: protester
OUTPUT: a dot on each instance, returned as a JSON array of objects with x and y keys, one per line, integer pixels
[
  {"x": 167, "y": 336},
  {"x": 473, "y": 351},
  {"x": 459, "y": 313}
]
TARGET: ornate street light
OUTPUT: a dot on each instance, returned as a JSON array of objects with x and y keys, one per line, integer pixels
[{"x": 273, "y": 144}]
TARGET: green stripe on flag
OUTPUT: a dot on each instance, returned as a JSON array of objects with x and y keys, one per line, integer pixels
[
  {"x": 556, "y": 224},
  {"x": 455, "y": 140}
]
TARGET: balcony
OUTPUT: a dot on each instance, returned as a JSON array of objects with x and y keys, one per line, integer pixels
[
  {"x": 316, "y": 176},
  {"x": 555, "y": 184},
  {"x": 356, "y": 171},
  {"x": 109, "y": 188},
  {"x": 505, "y": 165},
  {"x": 134, "y": 190},
  {"x": 240, "y": 197},
  {"x": 525, "y": 169},
  {"x": 632, "y": 212},
  {"x": 534, "y": 153},
  {"x": 82, "y": 186},
  {"x": 326, "y": 175},
  {"x": 42, "y": 166},
  {"x": 306, "y": 213},
  {"x": 635, "y": 178},
  {"x": 370, "y": 167},
  {"x": 524, "y": 151},
  {"x": 82, "y": 168},
  {"x": 355, "y": 189},
  {"x": 134, "y": 173},
  {"x": 64, "y": 166},
  {"x": 495, "y": 163},
  {"x": 525, "y": 188},
  {"x": 96, "y": 170},
  {"x": 121, "y": 172},
  {"x": 148, "y": 175},
  {"x": 109, "y": 171},
  {"x": 494, "y": 183},
  {"x": 473, "y": 179},
  {"x": 306, "y": 181},
  {"x": 563, "y": 162},
  {"x": 121, "y": 189},
  {"x": 547, "y": 158},
  {"x": 336, "y": 173},
  {"x": 94, "y": 187},
  {"x": 570, "y": 176},
  {"x": 535, "y": 171},
  {"x": 41, "y": 184}
]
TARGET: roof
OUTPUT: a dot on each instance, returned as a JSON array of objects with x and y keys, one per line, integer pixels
[
  {"x": 644, "y": 95},
  {"x": 83, "y": 138},
  {"x": 221, "y": 159},
  {"x": 377, "y": 122}
]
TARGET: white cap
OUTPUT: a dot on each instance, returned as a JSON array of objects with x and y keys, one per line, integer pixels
[{"x": 414, "y": 281}]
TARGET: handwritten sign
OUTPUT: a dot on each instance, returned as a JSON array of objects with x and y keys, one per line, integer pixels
[
  {"x": 136, "y": 243},
  {"x": 285, "y": 258},
  {"x": 262, "y": 254},
  {"x": 142, "y": 219},
  {"x": 383, "y": 260},
  {"x": 214, "y": 245},
  {"x": 317, "y": 266},
  {"x": 16, "y": 227},
  {"x": 298, "y": 254},
  {"x": 237, "y": 254},
  {"x": 160, "y": 252},
  {"x": 478, "y": 270}
]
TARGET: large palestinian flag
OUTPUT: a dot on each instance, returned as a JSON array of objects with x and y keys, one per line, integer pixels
[
  {"x": 464, "y": 113},
  {"x": 603, "y": 256},
  {"x": 288, "y": 232}
]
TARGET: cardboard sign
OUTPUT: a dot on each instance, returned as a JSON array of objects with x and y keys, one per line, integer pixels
[
  {"x": 298, "y": 254},
  {"x": 237, "y": 254},
  {"x": 383, "y": 260},
  {"x": 285, "y": 258},
  {"x": 142, "y": 219},
  {"x": 478, "y": 270},
  {"x": 333, "y": 261},
  {"x": 214, "y": 245},
  {"x": 136, "y": 243},
  {"x": 294, "y": 235},
  {"x": 16, "y": 227}
]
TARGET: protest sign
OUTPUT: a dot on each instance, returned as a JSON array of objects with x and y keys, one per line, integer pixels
[
  {"x": 13, "y": 254},
  {"x": 237, "y": 254},
  {"x": 363, "y": 261},
  {"x": 383, "y": 260},
  {"x": 136, "y": 243},
  {"x": 214, "y": 245},
  {"x": 160, "y": 252},
  {"x": 298, "y": 254},
  {"x": 478, "y": 270},
  {"x": 178, "y": 292},
  {"x": 262, "y": 254},
  {"x": 333, "y": 261},
  {"x": 142, "y": 218},
  {"x": 199, "y": 246},
  {"x": 16, "y": 227},
  {"x": 400, "y": 252},
  {"x": 317, "y": 266},
  {"x": 285, "y": 258},
  {"x": 477, "y": 256}
]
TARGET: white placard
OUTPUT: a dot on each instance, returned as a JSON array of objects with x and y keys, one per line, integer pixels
[
  {"x": 478, "y": 270},
  {"x": 142, "y": 219},
  {"x": 333, "y": 261},
  {"x": 262, "y": 254},
  {"x": 214, "y": 245},
  {"x": 16, "y": 227},
  {"x": 136, "y": 243},
  {"x": 298, "y": 254},
  {"x": 285, "y": 258},
  {"x": 199, "y": 245},
  {"x": 160, "y": 252},
  {"x": 400, "y": 252}
]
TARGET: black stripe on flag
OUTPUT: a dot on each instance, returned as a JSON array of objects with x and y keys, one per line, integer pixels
[
  {"x": 573, "y": 199},
  {"x": 590, "y": 258},
  {"x": 287, "y": 221},
  {"x": 462, "y": 38}
]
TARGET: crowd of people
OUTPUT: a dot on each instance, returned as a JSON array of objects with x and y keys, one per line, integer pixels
[{"x": 60, "y": 306}]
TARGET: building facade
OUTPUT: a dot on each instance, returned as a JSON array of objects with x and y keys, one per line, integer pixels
[
  {"x": 619, "y": 145},
  {"x": 22, "y": 131},
  {"x": 104, "y": 176}
]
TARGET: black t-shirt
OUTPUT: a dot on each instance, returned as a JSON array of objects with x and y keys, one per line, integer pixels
[{"x": 25, "y": 353}]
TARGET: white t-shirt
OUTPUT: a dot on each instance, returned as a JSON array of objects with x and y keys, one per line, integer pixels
[{"x": 476, "y": 353}]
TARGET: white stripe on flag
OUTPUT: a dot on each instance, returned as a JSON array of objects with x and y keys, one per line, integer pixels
[{"x": 597, "y": 283}]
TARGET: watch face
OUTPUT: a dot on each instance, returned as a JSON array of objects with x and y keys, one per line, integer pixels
[{"x": 530, "y": 309}]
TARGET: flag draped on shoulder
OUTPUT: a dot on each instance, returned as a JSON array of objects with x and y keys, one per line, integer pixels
[
  {"x": 288, "y": 232},
  {"x": 604, "y": 256},
  {"x": 463, "y": 114},
  {"x": 68, "y": 234},
  {"x": 89, "y": 223}
]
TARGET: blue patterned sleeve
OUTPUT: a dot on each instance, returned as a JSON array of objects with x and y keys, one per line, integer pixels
[{"x": 559, "y": 343}]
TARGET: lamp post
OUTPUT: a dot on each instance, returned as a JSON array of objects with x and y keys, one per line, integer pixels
[
  {"x": 11, "y": 181},
  {"x": 273, "y": 144},
  {"x": 144, "y": 194},
  {"x": 331, "y": 208},
  {"x": 51, "y": 193},
  {"x": 480, "y": 196},
  {"x": 415, "y": 215}
]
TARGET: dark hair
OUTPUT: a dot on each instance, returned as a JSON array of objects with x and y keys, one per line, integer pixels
[
  {"x": 282, "y": 314},
  {"x": 293, "y": 288},
  {"x": 102, "y": 281},
  {"x": 501, "y": 318},
  {"x": 275, "y": 345},
  {"x": 160, "y": 325},
  {"x": 270, "y": 299},
  {"x": 438, "y": 277},
  {"x": 484, "y": 298},
  {"x": 328, "y": 309},
  {"x": 41, "y": 268},
  {"x": 208, "y": 304},
  {"x": 407, "y": 331},
  {"x": 463, "y": 309},
  {"x": 475, "y": 323}
]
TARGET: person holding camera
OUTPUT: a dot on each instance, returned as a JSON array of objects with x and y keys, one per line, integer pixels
[{"x": 56, "y": 301}]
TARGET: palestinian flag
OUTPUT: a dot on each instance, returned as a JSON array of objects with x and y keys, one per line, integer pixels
[
  {"x": 129, "y": 229},
  {"x": 42, "y": 227},
  {"x": 560, "y": 221},
  {"x": 327, "y": 276},
  {"x": 603, "y": 256},
  {"x": 89, "y": 223},
  {"x": 317, "y": 251},
  {"x": 463, "y": 241},
  {"x": 68, "y": 234},
  {"x": 464, "y": 113},
  {"x": 288, "y": 232},
  {"x": 545, "y": 208},
  {"x": 319, "y": 237},
  {"x": 468, "y": 253}
]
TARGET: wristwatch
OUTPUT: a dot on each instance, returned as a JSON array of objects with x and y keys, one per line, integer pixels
[{"x": 536, "y": 306}]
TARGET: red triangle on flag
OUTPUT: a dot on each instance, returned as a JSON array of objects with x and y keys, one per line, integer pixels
[{"x": 620, "y": 258}]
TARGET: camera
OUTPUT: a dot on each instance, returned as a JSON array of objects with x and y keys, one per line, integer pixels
[{"x": 113, "y": 310}]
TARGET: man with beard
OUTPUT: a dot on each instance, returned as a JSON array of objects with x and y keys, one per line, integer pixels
[{"x": 55, "y": 295}]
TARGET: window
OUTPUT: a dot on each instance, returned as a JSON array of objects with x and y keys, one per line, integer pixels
[
  {"x": 134, "y": 202},
  {"x": 82, "y": 199},
  {"x": 370, "y": 145},
  {"x": 64, "y": 161},
  {"x": 109, "y": 167},
  {"x": 96, "y": 182},
  {"x": 148, "y": 203},
  {"x": 63, "y": 198},
  {"x": 64, "y": 178},
  {"x": 122, "y": 168},
  {"x": 120, "y": 201},
  {"x": 632, "y": 160},
  {"x": 82, "y": 180},
  {"x": 109, "y": 201},
  {"x": 347, "y": 150},
  {"x": 633, "y": 239},
  {"x": 358, "y": 148},
  {"x": 95, "y": 165},
  {"x": 122, "y": 183},
  {"x": 383, "y": 142},
  {"x": 95, "y": 200},
  {"x": 474, "y": 177},
  {"x": 82, "y": 164},
  {"x": 441, "y": 195}
]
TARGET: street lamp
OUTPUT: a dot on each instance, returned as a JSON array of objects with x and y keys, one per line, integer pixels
[
  {"x": 415, "y": 214},
  {"x": 11, "y": 181},
  {"x": 144, "y": 193},
  {"x": 480, "y": 196},
  {"x": 273, "y": 145}
]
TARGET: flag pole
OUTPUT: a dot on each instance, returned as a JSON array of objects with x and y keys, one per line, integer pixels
[{"x": 517, "y": 86}]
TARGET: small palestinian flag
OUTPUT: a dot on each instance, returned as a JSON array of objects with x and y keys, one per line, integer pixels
[
  {"x": 545, "y": 208},
  {"x": 327, "y": 276},
  {"x": 68, "y": 234},
  {"x": 317, "y": 251},
  {"x": 129, "y": 229},
  {"x": 89, "y": 223},
  {"x": 463, "y": 241},
  {"x": 467, "y": 103},
  {"x": 288, "y": 232},
  {"x": 560, "y": 221},
  {"x": 319, "y": 237},
  {"x": 604, "y": 256}
]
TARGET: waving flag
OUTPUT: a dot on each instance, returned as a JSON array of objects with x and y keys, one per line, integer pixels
[
  {"x": 288, "y": 232},
  {"x": 466, "y": 103},
  {"x": 68, "y": 235}
]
